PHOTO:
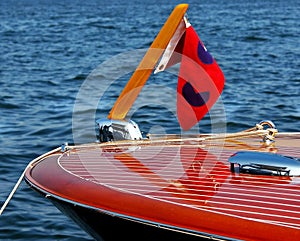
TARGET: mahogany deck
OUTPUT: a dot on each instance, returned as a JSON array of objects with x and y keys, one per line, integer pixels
[{"x": 184, "y": 184}]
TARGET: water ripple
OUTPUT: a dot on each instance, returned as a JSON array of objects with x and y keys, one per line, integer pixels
[{"x": 48, "y": 48}]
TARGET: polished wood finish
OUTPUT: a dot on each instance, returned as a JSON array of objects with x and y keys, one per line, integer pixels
[
  {"x": 183, "y": 185},
  {"x": 146, "y": 66}
]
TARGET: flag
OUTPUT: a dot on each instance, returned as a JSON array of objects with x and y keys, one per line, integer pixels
[{"x": 200, "y": 79}]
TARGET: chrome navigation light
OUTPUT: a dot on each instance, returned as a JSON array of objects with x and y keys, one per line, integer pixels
[
  {"x": 115, "y": 130},
  {"x": 264, "y": 163}
]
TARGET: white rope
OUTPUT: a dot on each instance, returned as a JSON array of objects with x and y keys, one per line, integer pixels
[
  {"x": 22, "y": 176},
  {"x": 242, "y": 134}
]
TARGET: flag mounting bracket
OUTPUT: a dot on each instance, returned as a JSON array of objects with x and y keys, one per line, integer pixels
[{"x": 116, "y": 130}]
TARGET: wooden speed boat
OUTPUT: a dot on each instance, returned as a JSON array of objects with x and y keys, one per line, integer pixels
[
  {"x": 231, "y": 186},
  {"x": 174, "y": 189}
]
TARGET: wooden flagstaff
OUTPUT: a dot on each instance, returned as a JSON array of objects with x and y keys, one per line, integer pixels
[{"x": 146, "y": 66}]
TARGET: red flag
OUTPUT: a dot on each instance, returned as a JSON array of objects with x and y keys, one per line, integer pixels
[{"x": 200, "y": 81}]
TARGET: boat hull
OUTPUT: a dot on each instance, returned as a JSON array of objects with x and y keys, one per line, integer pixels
[
  {"x": 103, "y": 225},
  {"x": 171, "y": 189},
  {"x": 106, "y": 226}
]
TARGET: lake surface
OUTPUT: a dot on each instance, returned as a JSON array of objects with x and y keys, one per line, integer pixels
[{"x": 63, "y": 63}]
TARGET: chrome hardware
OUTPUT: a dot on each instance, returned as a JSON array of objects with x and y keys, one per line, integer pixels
[
  {"x": 270, "y": 127},
  {"x": 262, "y": 163},
  {"x": 64, "y": 147},
  {"x": 114, "y": 130},
  {"x": 268, "y": 123}
]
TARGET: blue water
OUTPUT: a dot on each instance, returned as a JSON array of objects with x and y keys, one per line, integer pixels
[{"x": 49, "y": 48}]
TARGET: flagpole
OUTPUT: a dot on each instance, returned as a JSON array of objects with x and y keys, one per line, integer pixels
[{"x": 146, "y": 66}]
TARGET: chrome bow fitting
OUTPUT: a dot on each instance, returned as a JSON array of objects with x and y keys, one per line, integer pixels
[
  {"x": 270, "y": 127},
  {"x": 115, "y": 130},
  {"x": 263, "y": 163}
]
